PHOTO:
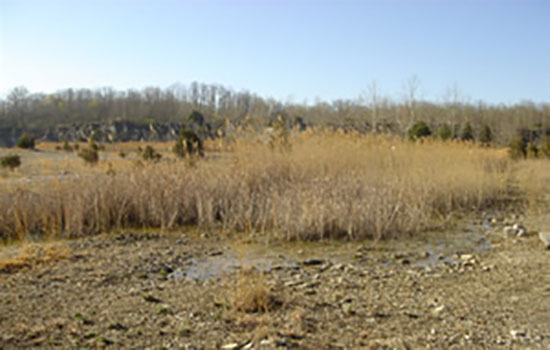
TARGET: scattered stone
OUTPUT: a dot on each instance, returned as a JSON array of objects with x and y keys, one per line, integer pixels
[
  {"x": 517, "y": 333},
  {"x": 439, "y": 309},
  {"x": 466, "y": 257},
  {"x": 117, "y": 327},
  {"x": 235, "y": 346},
  {"x": 151, "y": 299},
  {"x": 107, "y": 341},
  {"x": 509, "y": 231},
  {"x": 312, "y": 262},
  {"x": 266, "y": 342},
  {"x": 520, "y": 230}
]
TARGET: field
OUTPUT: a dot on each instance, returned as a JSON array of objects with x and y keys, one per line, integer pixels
[{"x": 312, "y": 240}]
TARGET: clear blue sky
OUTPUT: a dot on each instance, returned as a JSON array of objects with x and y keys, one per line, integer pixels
[{"x": 497, "y": 51}]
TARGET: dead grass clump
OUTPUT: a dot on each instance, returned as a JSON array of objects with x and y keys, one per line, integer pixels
[{"x": 252, "y": 294}]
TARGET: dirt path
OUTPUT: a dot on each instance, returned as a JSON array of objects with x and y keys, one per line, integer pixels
[{"x": 177, "y": 292}]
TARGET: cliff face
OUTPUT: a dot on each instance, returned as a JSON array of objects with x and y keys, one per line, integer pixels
[
  {"x": 116, "y": 131},
  {"x": 9, "y": 136}
]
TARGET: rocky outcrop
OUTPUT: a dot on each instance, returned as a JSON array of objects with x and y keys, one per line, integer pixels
[
  {"x": 113, "y": 131},
  {"x": 9, "y": 136}
]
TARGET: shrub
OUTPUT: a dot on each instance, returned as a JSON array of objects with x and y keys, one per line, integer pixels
[
  {"x": 544, "y": 148},
  {"x": 532, "y": 150},
  {"x": 26, "y": 141},
  {"x": 10, "y": 161},
  {"x": 188, "y": 144},
  {"x": 122, "y": 154},
  {"x": 196, "y": 117},
  {"x": 517, "y": 148},
  {"x": 280, "y": 136},
  {"x": 419, "y": 130},
  {"x": 467, "y": 132},
  {"x": 179, "y": 148},
  {"x": 67, "y": 147},
  {"x": 90, "y": 155},
  {"x": 150, "y": 154},
  {"x": 486, "y": 135},
  {"x": 444, "y": 132}
]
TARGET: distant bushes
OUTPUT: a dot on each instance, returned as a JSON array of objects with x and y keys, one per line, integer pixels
[
  {"x": 10, "y": 161},
  {"x": 545, "y": 147},
  {"x": 419, "y": 130},
  {"x": 26, "y": 141},
  {"x": 445, "y": 132},
  {"x": 518, "y": 148},
  {"x": 188, "y": 144},
  {"x": 486, "y": 135},
  {"x": 150, "y": 154},
  {"x": 89, "y": 155},
  {"x": 467, "y": 132}
]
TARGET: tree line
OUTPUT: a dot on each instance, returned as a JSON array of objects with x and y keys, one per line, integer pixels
[{"x": 370, "y": 112}]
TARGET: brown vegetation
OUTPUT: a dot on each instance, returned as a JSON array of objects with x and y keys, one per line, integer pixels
[
  {"x": 29, "y": 255},
  {"x": 251, "y": 293},
  {"x": 330, "y": 185}
]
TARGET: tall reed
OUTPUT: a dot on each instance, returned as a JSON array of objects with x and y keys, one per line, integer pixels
[{"x": 327, "y": 186}]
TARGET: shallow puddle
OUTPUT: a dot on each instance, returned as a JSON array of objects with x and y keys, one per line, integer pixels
[{"x": 426, "y": 250}]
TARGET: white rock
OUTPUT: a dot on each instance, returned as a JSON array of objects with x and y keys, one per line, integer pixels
[
  {"x": 466, "y": 257},
  {"x": 439, "y": 309},
  {"x": 520, "y": 230},
  {"x": 545, "y": 238},
  {"x": 516, "y": 333},
  {"x": 509, "y": 231}
]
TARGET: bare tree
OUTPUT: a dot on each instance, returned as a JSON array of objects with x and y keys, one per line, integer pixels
[{"x": 410, "y": 91}]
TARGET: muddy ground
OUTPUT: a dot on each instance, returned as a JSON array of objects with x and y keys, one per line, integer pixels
[{"x": 186, "y": 290}]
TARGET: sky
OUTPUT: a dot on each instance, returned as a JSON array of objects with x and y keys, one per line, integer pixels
[{"x": 497, "y": 51}]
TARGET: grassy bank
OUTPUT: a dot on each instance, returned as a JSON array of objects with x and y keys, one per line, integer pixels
[{"x": 327, "y": 186}]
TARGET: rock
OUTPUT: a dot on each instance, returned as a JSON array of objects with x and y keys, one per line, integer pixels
[
  {"x": 151, "y": 299},
  {"x": 466, "y": 257},
  {"x": 348, "y": 309},
  {"x": 312, "y": 262},
  {"x": 215, "y": 253},
  {"x": 509, "y": 231},
  {"x": 266, "y": 342},
  {"x": 520, "y": 230},
  {"x": 438, "y": 310},
  {"x": 517, "y": 333},
  {"x": 117, "y": 327},
  {"x": 545, "y": 238}
]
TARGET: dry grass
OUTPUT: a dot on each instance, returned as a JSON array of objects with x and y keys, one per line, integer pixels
[
  {"x": 329, "y": 185},
  {"x": 31, "y": 254},
  {"x": 533, "y": 178},
  {"x": 251, "y": 293}
]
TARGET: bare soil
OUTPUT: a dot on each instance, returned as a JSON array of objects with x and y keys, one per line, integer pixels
[{"x": 178, "y": 291}]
